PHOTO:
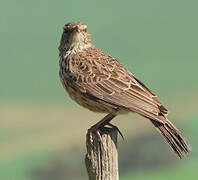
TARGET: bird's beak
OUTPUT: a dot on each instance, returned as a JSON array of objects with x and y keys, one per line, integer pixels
[{"x": 81, "y": 27}]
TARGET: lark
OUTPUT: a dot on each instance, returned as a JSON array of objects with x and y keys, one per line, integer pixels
[{"x": 100, "y": 83}]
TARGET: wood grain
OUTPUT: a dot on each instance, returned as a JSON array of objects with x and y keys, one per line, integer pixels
[{"x": 101, "y": 159}]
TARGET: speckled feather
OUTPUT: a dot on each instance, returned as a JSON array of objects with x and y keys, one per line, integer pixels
[
  {"x": 96, "y": 74},
  {"x": 100, "y": 83}
]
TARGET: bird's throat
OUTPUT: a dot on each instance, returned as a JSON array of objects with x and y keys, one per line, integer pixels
[{"x": 77, "y": 47}]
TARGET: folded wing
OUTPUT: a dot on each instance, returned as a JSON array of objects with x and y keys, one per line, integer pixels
[{"x": 109, "y": 81}]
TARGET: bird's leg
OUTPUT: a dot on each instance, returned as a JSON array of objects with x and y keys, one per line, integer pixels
[
  {"x": 105, "y": 121},
  {"x": 101, "y": 124}
]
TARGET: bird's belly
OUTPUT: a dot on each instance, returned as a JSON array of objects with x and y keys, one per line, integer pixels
[
  {"x": 91, "y": 104},
  {"x": 86, "y": 102}
]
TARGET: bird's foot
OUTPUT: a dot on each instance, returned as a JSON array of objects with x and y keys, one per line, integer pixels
[
  {"x": 95, "y": 129},
  {"x": 117, "y": 129}
]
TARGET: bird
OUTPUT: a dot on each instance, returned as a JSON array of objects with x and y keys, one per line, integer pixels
[{"x": 100, "y": 83}]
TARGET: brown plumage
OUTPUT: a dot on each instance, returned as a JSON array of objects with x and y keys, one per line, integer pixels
[{"x": 100, "y": 83}]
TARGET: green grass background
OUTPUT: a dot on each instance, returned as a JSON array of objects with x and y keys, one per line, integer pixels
[{"x": 157, "y": 40}]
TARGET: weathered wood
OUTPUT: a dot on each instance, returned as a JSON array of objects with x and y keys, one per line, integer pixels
[{"x": 101, "y": 159}]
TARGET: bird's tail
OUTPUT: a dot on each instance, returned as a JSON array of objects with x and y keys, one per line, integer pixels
[{"x": 173, "y": 137}]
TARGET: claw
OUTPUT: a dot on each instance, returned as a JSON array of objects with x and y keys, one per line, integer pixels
[
  {"x": 95, "y": 130},
  {"x": 113, "y": 126},
  {"x": 99, "y": 136}
]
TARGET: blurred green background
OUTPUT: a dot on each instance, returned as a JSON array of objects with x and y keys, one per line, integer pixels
[{"x": 42, "y": 132}]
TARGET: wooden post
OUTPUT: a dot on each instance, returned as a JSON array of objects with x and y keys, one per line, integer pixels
[{"x": 101, "y": 159}]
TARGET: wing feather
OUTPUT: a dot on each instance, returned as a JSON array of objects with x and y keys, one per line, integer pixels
[{"x": 110, "y": 82}]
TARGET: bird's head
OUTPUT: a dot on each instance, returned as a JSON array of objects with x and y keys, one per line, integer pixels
[{"x": 75, "y": 37}]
